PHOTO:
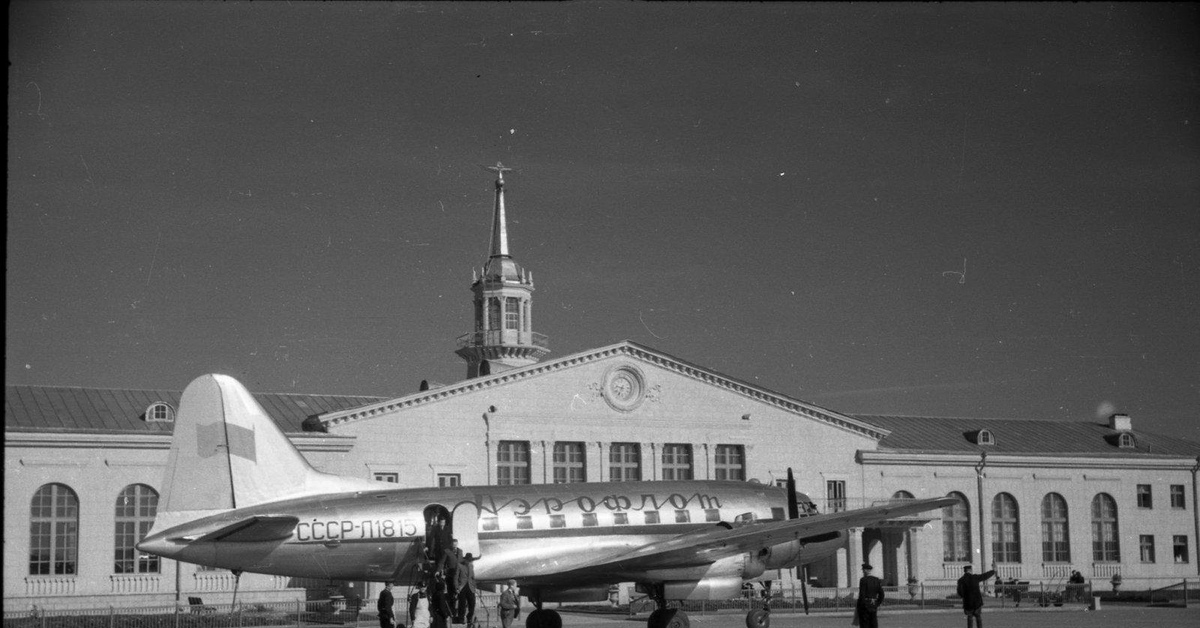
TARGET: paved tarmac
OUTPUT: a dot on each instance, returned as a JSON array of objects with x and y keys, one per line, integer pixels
[{"x": 1116, "y": 617}]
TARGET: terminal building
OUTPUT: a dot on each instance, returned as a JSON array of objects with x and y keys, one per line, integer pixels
[{"x": 1037, "y": 499}]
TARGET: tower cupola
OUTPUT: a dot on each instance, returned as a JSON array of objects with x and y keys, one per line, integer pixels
[{"x": 503, "y": 338}]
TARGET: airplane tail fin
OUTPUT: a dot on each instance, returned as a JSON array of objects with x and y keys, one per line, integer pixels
[{"x": 228, "y": 453}]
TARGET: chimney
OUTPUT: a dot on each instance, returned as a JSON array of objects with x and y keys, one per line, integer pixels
[{"x": 1120, "y": 422}]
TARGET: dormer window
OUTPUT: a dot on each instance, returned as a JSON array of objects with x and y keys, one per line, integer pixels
[
  {"x": 160, "y": 412},
  {"x": 1126, "y": 441},
  {"x": 981, "y": 437}
]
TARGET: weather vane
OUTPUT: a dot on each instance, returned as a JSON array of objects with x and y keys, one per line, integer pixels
[{"x": 499, "y": 169}]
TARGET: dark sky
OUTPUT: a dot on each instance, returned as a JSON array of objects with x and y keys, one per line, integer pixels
[{"x": 986, "y": 210}]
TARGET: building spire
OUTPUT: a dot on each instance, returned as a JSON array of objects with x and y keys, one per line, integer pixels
[
  {"x": 503, "y": 337},
  {"x": 499, "y": 222}
]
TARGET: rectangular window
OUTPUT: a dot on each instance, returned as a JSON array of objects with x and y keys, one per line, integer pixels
[
  {"x": 1180, "y": 548},
  {"x": 558, "y": 521},
  {"x": 524, "y": 522},
  {"x": 590, "y": 520},
  {"x": 777, "y": 513},
  {"x": 449, "y": 479},
  {"x": 676, "y": 462},
  {"x": 512, "y": 313},
  {"x": 625, "y": 462},
  {"x": 569, "y": 463},
  {"x": 1177, "y": 498},
  {"x": 651, "y": 516},
  {"x": 620, "y": 518},
  {"x": 489, "y": 524},
  {"x": 1145, "y": 499},
  {"x": 712, "y": 515},
  {"x": 512, "y": 462},
  {"x": 835, "y": 492},
  {"x": 730, "y": 463},
  {"x": 391, "y": 478},
  {"x": 1146, "y": 543},
  {"x": 683, "y": 516}
]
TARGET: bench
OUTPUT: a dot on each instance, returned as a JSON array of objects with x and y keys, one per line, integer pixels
[{"x": 197, "y": 605}]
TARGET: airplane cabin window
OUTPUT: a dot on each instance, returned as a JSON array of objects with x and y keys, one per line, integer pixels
[
  {"x": 558, "y": 521},
  {"x": 712, "y": 514},
  {"x": 652, "y": 516},
  {"x": 525, "y": 523},
  {"x": 620, "y": 518},
  {"x": 489, "y": 524},
  {"x": 589, "y": 520},
  {"x": 777, "y": 514},
  {"x": 683, "y": 516}
]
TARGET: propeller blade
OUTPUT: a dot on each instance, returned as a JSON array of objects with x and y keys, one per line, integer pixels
[{"x": 793, "y": 507}]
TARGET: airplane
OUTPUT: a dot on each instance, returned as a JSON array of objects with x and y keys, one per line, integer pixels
[{"x": 237, "y": 495}]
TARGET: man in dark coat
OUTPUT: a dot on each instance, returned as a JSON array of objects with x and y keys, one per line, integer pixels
[
  {"x": 464, "y": 582},
  {"x": 387, "y": 618},
  {"x": 870, "y": 596},
  {"x": 968, "y": 590}
]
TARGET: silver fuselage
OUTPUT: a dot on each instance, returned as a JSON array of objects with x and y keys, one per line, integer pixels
[{"x": 515, "y": 531}]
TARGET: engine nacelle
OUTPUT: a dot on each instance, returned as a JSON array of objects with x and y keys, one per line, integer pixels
[
  {"x": 781, "y": 556},
  {"x": 596, "y": 593},
  {"x": 720, "y": 588}
]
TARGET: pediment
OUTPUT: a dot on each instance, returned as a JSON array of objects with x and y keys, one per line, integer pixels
[{"x": 623, "y": 387}]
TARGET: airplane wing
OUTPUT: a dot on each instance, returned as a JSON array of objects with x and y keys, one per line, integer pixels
[
  {"x": 254, "y": 529},
  {"x": 707, "y": 546}
]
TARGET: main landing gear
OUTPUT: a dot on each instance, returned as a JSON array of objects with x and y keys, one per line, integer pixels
[
  {"x": 761, "y": 617},
  {"x": 542, "y": 617},
  {"x": 664, "y": 617}
]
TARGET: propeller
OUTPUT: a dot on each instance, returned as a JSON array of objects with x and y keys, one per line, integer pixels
[{"x": 794, "y": 513}]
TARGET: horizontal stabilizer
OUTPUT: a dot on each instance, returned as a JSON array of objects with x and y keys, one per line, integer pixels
[{"x": 254, "y": 529}]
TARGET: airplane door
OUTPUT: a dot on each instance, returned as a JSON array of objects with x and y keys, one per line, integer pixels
[{"x": 466, "y": 527}]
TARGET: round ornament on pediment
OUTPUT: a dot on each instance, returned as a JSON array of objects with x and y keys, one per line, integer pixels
[{"x": 624, "y": 387}]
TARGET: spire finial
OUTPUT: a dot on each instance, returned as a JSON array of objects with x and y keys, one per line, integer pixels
[{"x": 499, "y": 169}]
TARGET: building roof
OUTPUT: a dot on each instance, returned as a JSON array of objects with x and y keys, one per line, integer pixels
[
  {"x": 63, "y": 408},
  {"x": 1020, "y": 436}
]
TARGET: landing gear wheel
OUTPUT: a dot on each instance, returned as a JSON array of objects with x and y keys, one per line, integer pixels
[
  {"x": 543, "y": 618},
  {"x": 668, "y": 618},
  {"x": 758, "y": 619}
]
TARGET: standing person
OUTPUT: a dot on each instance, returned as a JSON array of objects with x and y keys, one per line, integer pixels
[
  {"x": 870, "y": 596},
  {"x": 464, "y": 581},
  {"x": 510, "y": 605},
  {"x": 968, "y": 590},
  {"x": 439, "y": 606},
  {"x": 418, "y": 608},
  {"x": 387, "y": 617},
  {"x": 448, "y": 564}
]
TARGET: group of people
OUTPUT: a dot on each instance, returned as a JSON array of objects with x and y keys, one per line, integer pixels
[
  {"x": 444, "y": 592},
  {"x": 870, "y": 597}
]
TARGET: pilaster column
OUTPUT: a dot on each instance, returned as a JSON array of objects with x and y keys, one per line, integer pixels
[{"x": 854, "y": 553}]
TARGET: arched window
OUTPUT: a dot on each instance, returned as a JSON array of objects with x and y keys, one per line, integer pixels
[
  {"x": 135, "y": 510},
  {"x": 1006, "y": 529},
  {"x": 54, "y": 531},
  {"x": 956, "y": 530},
  {"x": 1106, "y": 543},
  {"x": 160, "y": 412},
  {"x": 1056, "y": 537}
]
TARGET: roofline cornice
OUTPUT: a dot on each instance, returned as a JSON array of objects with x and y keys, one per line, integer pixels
[
  {"x": 625, "y": 348},
  {"x": 1054, "y": 461},
  {"x": 304, "y": 442}
]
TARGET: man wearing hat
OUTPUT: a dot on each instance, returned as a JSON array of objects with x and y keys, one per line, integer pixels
[
  {"x": 870, "y": 596},
  {"x": 968, "y": 590}
]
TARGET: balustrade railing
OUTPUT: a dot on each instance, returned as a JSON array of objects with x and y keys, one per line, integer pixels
[
  {"x": 135, "y": 583},
  {"x": 49, "y": 585}
]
